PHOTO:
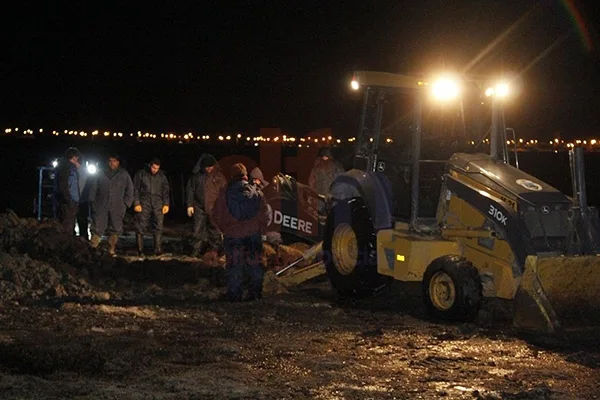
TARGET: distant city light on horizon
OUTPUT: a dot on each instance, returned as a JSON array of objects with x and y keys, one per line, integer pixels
[{"x": 522, "y": 144}]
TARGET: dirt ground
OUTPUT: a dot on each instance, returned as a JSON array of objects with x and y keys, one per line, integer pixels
[{"x": 158, "y": 329}]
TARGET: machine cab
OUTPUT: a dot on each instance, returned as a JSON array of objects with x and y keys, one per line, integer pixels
[{"x": 410, "y": 126}]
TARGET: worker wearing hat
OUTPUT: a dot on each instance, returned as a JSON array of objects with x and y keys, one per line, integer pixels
[
  {"x": 240, "y": 213},
  {"x": 257, "y": 178},
  {"x": 272, "y": 236}
]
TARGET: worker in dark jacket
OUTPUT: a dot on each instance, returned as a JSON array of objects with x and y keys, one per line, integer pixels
[
  {"x": 258, "y": 179},
  {"x": 151, "y": 199},
  {"x": 201, "y": 193},
  {"x": 272, "y": 236},
  {"x": 111, "y": 193},
  {"x": 66, "y": 189},
  {"x": 240, "y": 213}
]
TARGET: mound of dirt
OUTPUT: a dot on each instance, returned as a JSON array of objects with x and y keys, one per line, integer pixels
[
  {"x": 22, "y": 277},
  {"x": 39, "y": 259},
  {"x": 47, "y": 241}
]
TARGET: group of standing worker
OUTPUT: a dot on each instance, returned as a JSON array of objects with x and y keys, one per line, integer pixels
[{"x": 229, "y": 217}]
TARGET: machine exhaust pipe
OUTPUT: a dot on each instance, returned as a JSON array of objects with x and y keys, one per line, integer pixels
[
  {"x": 416, "y": 163},
  {"x": 577, "y": 165}
]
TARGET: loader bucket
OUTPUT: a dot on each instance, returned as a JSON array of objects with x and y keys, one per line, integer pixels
[{"x": 558, "y": 293}]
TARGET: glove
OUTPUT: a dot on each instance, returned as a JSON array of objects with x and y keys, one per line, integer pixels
[
  {"x": 165, "y": 209},
  {"x": 137, "y": 208},
  {"x": 273, "y": 238},
  {"x": 190, "y": 211}
]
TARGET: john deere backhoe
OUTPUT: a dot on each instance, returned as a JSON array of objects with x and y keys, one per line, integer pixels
[{"x": 466, "y": 224}]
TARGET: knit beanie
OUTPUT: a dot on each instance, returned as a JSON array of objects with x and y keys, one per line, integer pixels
[{"x": 238, "y": 171}]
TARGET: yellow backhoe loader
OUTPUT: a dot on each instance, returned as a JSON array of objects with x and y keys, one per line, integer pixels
[{"x": 466, "y": 224}]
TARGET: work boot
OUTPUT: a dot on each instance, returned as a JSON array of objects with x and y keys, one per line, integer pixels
[
  {"x": 158, "y": 244},
  {"x": 112, "y": 244},
  {"x": 139, "y": 238},
  {"x": 95, "y": 241}
]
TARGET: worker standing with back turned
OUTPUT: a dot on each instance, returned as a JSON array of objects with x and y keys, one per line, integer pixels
[
  {"x": 324, "y": 171},
  {"x": 240, "y": 213}
]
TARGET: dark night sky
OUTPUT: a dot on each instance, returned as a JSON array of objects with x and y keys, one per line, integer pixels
[{"x": 210, "y": 66}]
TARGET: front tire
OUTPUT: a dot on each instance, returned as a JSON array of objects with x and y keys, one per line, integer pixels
[
  {"x": 350, "y": 250},
  {"x": 452, "y": 289}
]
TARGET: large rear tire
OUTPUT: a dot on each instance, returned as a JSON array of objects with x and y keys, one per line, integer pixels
[
  {"x": 452, "y": 289},
  {"x": 350, "y": 250}
]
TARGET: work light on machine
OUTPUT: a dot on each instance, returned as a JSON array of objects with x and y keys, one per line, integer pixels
[
  {"x": 445, "y": 89},
  {"x": 501, "y": 90}
]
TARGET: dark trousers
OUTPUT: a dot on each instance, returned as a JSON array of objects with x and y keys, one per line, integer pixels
[
  {"x": 67, "y": 214},
  {"x": 244, "y": 259},
  {"x": 83, "y": 214},
  {"x": 150, "y": 214},
  {"x": 205, "y": 235},
  {"x": 110, "y": 221}
]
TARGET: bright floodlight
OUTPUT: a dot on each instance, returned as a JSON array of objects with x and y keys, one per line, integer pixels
[
  {"x": 54, "y": 163},
  {"x": 445, "y": 89},
  {"x": 91, "y": 169},
  {"x": 354, "y": 84},
  {"x": 502, "y": 89}
]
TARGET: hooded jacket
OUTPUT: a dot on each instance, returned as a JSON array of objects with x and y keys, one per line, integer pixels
[
  {"x": 256, "y": 173},
  {"x": 202, "y": 189},
  {"x": 323, "y": 174}
]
